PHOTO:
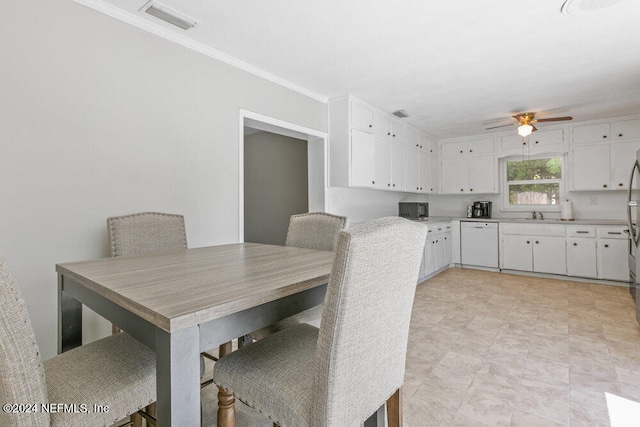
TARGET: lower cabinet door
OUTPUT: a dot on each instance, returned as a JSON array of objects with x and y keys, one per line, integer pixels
[
  {"x": 612, "y": 259},
  {"x": 581, "y": 258},
  {"x": 516, "y": 253},
  {"x": 549, "y": 255}
]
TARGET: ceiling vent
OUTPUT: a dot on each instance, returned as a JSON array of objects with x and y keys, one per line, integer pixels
[
  {"x": 400, "y": 113},
  {"x": 578, "y": 7},
  {"x": 169, "y": 15}
]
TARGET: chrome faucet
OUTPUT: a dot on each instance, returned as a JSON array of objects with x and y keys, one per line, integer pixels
[
  {"x": 535, "y": 215},
  {"x": 540, "y": 215}
]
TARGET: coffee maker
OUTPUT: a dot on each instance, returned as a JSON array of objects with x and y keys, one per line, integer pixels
[{"x": 481, "y": 209}]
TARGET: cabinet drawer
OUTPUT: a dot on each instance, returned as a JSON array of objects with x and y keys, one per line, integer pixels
[
  {"x": 581, "y": 231},
  {"x": 533, "y": 229},
  {"x": 614, "y": 232}
]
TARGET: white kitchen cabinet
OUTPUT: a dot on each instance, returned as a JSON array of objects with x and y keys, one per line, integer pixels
[
  {"x": 612, "y": 253},
  {"x": 597, "y": 132},
  {"x": 413, "y": 138},
  {"x": 454, "y": 175},
  {"x": 368, "y": 148},
  {"x": 581, "y": 257},
  {"x": 468, "y": 166},
  {"x": 361, "y": 117},
  {"x": 532, "y": 247},
  {"x": 418, "y": 171},
  {"x": 468, "y": 174},
  {"x": 626, "y": 129},
  {"x": 602, "y": 166},
  {"x": 434, "y": 174},
  {"x": 362, "y": 159},
  {"x": 438, "y": 249},
  {"x": 540, "y": 141},
  {"x": 517, "y": 253}
]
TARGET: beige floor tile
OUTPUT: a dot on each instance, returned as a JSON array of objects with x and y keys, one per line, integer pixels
[
  {"x": 524, "y": 419},
  {"x": 488, "y": 405}
]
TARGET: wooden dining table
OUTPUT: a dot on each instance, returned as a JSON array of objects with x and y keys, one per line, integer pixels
[{"x": 184, "y": 302}]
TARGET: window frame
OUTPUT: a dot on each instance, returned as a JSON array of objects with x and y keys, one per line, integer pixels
[{"x": 526, "y": 208}]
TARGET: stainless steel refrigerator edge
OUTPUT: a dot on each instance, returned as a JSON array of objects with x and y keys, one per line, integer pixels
[{"x": 633, "y": 204}]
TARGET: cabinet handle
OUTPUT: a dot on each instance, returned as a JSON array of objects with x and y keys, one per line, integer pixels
[
  {"x": 524, "y": 143},
  {"x": 471, "y": 151},
  {"x": 620, "y": 135},
  {"x": 582, "y": 232},
  {"x": 528, "y": 242},
  {"x": 394, "y": 135},
  {"x": 421, "y": 146},
  {"x": 620, "y": 184},
  {"x": 418, "y": 145},
  {"x": 389, "y": 185},
  {"x": 537, "y": 242},
  {"x": 471, "y": 189},
  {"x": 394, "y": 185},
  {"x": 462, "y": 189},
  {"x": 604, "y": 136},
  {"x": 370, "y": 126},
  {"x": 460, "y": 151},
  {"x": 616, "y": 232},
  {"x": 373, "y": 182},
  {"x": 420, "y": 188},
  {"x": 537, "y": 142},
  {"x": 604, "y": 186},
  {"x": 575, "y": 244},
  {"x": 606, "y": 246},
  {"x": 388, "y": 133},
  {"x": 431, "y": 151}
]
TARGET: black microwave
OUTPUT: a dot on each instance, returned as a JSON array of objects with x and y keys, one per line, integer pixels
[{"x": 414, "y": 210}]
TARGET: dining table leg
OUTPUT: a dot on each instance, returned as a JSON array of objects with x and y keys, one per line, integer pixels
[
  {"x": 178, "y": 377},
  {"x": 226, "y": 400}
]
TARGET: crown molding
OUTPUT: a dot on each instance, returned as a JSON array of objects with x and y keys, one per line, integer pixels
[{"x": 139, "y": 22}]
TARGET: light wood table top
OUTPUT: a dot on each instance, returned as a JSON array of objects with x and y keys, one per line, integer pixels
[{"x": 179, "y": 289}]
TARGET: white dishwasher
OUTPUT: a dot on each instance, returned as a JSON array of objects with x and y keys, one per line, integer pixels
[{"x": 479, "y": 243}]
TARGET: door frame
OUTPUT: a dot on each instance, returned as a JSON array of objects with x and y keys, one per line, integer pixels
[{"x": 317, "y": 158}]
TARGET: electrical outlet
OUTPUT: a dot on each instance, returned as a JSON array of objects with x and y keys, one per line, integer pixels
[{"x": 594, "y": 200}]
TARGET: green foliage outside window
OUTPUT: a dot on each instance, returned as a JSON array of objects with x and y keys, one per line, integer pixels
[{"x": 534, "y": 181}]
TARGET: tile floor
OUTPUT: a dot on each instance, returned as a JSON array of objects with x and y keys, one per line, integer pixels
[{"x": 493, "y": 349}]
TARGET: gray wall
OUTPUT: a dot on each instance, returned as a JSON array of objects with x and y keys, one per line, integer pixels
[
  {"x": 275, "y": 186},
  {"x": 99, "y": 118}
]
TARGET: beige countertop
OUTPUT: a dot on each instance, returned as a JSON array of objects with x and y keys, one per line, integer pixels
[{"x": 529, "y": 220}]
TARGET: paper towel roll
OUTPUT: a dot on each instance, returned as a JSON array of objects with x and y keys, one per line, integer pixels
[{"x": 566, "y": 210}]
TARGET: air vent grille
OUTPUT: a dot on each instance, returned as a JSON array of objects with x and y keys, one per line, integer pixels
[
  {"x": 169, "y": 15},
  {"x": 400, "y": 113}
]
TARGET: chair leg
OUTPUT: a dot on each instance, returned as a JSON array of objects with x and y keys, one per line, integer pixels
[
  {"x": 136, "y": 420},
  {"x": 394, "y": 409},
  {"x": 226, "y": 408}
]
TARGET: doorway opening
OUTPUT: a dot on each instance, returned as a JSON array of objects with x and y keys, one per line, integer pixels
[{"x": 283, "y": 171}]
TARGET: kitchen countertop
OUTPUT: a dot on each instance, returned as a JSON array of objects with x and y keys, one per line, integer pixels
[{"x": 437, "y": 219}]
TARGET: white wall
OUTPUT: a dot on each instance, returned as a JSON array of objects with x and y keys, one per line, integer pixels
[{"x": 98, "y": 118}]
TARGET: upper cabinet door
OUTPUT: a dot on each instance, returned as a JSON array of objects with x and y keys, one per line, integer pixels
[
  {"x": 480, "y": 146},
  {"x": 413, "y": 138},
  {"x": 626, "y": 129},
  {"x": 454, "y": 148},
  {"x": 381, "y": 125},
  {"x": 590, "y": 133},
  {"x": 361, "y": 117},
  {"x": 482, "y": 172},
  {"x": 398, "y": 132},
  {"x": 623, "y": 154},
  {"x": 590, "y": 167},
  {"x": 362, "y": 159}
]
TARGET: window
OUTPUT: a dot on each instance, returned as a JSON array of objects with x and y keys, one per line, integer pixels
[{"x": 533, "y": 182}]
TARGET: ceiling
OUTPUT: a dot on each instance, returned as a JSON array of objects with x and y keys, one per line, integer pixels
[{"x": 455, "y": 66}]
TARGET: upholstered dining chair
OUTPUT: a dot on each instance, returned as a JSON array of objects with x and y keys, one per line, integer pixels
[
  {"x": 315, "y": 230},
  {"x": 147, "y": 233},
  {"x": 343, "y": 372},
  {"x": 117, "y": 372}
]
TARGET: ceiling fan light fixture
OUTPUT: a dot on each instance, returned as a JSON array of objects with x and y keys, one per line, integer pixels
[
  {"x": 525, "y": 130},
  {"x": 579, "y": 7}
]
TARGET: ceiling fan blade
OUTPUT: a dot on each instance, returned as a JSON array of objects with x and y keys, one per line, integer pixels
[
  {"x": 501, "y": 126},
  {"x": 554, "y": 119},
  {"x": 533, "y": 128}
]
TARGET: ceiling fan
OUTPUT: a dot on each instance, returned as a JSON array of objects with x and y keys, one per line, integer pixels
[{"x": 526, "y": 121}]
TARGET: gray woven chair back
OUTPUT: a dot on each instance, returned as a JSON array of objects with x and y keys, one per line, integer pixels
[
  {"x": 21, "y": 371},
  {"x": 316, "y": 230},
  {"x": 362, "y": 342},
  {"x": 146, "y": 233}
]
